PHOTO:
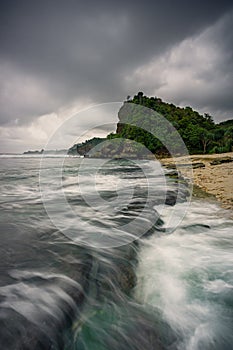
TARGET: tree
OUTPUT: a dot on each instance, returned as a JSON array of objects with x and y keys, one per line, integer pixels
[
  {"x": 228, "y": 139},
  {"x": 199, "y": 132},
  {"x": 205, "y": 138},
  {"x": 140, "y": 96}
]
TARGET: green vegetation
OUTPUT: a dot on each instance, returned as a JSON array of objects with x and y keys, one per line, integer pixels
[
  {"x": 85, "y": 147},
  {"x": 223, "y": 137},
  {"x": 143, "y": 126},
  {"x": 199, "y": 132}
]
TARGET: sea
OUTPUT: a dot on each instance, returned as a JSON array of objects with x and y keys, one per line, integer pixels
[{"x": 101, "y": 254}]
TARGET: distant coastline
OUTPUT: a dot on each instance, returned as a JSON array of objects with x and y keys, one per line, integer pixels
[
  {"x": 34, "y": 152},
  {"x": 42, "y": 151}
]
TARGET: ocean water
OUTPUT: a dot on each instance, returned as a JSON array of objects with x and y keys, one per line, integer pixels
[{"x": 100, "y": 255}]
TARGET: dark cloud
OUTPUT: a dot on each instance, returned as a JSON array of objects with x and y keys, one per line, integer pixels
[
  {"x": 197, "y": 72},
  {"x": 69, "y": 49},
  {"x": 55, "y": 53}
]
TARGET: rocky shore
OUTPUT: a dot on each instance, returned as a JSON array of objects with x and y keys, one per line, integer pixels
[{"x": 212, "y": 174}]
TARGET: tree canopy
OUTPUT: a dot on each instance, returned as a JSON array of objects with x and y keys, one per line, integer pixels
[{"x": 199, "y": 132}]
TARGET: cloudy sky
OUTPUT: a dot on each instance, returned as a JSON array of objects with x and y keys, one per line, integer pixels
[{"x": 58, "y": 58}]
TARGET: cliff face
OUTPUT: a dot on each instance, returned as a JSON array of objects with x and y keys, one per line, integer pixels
[
  {"x": 119, "y": 128},
  {"x": 123, "y": 117},
  {"x": 160, "y": 127},
  {"x": 146, "y": 127},
  {"x": 124, "y": 114},
  {"x": 199, "y": 132}
]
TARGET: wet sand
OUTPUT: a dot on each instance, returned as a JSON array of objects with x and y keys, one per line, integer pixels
[{"x": 215, "y": 180}]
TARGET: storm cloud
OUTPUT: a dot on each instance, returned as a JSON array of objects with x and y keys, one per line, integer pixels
[{"x": 59, "y": 55}]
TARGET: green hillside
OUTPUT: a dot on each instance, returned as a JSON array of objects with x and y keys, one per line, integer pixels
[
  {"x": 199, "y": 132},
  {"x": 145, "y": 126},
  {"x": 85, "y": 147}
]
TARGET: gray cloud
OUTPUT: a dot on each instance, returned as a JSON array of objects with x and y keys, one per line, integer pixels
[
  {"x": 197, "y": 71},
  {"x": 54, "y": 53}
]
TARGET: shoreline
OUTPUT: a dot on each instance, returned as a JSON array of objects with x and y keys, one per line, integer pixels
[{"x": 215, "y": 180}]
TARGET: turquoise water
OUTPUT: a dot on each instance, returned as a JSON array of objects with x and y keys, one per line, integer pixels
[
  {"x": 188, "y": 276},
  {"x": 93, "y": 257}
]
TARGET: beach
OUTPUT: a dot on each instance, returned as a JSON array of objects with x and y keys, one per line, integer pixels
[{"x": 214, "y": 179}]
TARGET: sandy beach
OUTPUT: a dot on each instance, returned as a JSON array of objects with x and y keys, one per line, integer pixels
[{"x": 215, "y": 179}]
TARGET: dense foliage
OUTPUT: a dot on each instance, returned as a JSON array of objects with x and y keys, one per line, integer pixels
[
  {"x": 85, "y": 147},
  {"x": 143, "y": 125},
  {"x": 199, "y": 132}
]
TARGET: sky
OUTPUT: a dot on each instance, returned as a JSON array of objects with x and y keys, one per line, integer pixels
[{"x": 58, "y": 59}]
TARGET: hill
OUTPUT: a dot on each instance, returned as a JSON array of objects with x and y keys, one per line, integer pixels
[
  {"x": 199, "y": 132},
  {"x": 141, "y": 125},
  {"x": 85, "y": 147}
]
